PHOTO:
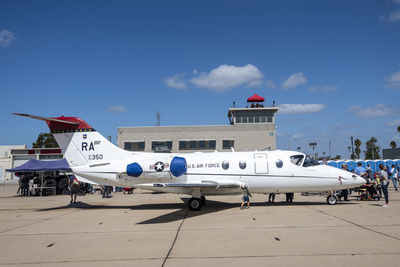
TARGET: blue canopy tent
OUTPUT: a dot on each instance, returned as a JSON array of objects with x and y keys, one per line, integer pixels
[{"x": 41, "y": 166}]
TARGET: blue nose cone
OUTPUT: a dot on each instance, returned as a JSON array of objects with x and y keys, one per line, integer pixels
[
  {"x": 134, "y": 169},
  {"x": 178, "y": 166}
]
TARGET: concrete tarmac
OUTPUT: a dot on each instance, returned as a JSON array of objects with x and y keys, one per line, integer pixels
[{"x": 145, "y": 229}]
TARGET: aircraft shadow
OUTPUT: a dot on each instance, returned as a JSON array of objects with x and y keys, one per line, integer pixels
[{"x": 181, "y": 210}]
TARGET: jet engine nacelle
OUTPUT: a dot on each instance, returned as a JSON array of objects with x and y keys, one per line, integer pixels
[{"x": 157, "y": 168}]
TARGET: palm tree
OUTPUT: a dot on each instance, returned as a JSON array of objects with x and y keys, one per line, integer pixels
[
  {"x": 398, "y": 128},
  {"x": 357, "y": 143},
  {"x": 372, "y": 151},
  {"x": 393, "y": 144}
]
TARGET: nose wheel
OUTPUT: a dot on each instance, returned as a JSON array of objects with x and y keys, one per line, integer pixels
[
  {"x": 331, "y": 199},
  {"x": 195, "y": 203}
]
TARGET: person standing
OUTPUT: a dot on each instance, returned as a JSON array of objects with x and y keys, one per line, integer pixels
[
  {"x": 271, "y": 197},
  {"x": 289, "y": 197},
  {"x": 384, "y": 179},
  {"x": 344, "y": 192},
  {"x": 73, "y": 187},
  {"x": 19, "y": 183},
  {"x": 394, "y": 175},
  {"x": 370, "y": 173},
  {"x": 25, "y": 185},
  {"x": 360, "y": 170},
  {"x": 246, "y": 197}
]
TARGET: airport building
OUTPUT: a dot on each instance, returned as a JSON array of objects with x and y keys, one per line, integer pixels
[
  {"x": 14, "y": 156},
  {"x": 248, "y": 128}
]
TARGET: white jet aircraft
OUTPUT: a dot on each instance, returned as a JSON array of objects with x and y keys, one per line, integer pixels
[{"x": 94, "y": 158}]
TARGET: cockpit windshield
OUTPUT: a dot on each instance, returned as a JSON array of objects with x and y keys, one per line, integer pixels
[
  {"x": 310, "y": 162},
  {"x": 297, "y": 159}
]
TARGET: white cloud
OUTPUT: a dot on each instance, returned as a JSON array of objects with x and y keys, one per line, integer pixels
[
  {"x": 176, "y": 81},
  {"x": 297, "y": 136},
  {"x": 294, "y": 80},
  {"x": 300, "y": 108},
  {"x": 117, "y": 109},
  {"x": 393, "y": 123},
  {"x": 392, "y": 16},
  {"x": 394, "y": 80},
  {"x": 226, "y": 77},
  {"x": 325, "y": 88},
  {"x": 6, "y": 38},
  {"x": 379, "y": 110}
]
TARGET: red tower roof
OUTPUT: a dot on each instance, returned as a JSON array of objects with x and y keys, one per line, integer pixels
[{"x": 255, "y": 98}]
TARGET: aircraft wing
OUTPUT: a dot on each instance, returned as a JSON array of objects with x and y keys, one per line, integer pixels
[{"x": 202, "y": 184}]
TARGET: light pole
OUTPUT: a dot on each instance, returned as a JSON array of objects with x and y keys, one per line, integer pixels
[
  {"x": 352, "y": 148},
  {"x": 313, "y": 145}
]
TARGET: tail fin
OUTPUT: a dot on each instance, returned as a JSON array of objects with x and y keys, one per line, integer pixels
[{"x": 80, "y": 142}]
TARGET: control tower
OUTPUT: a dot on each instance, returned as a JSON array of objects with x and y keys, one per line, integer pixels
[{"x": 254, "y": 112}]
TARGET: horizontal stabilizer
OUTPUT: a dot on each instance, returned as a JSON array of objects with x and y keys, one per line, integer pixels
[{"x": 62, "y": 124}]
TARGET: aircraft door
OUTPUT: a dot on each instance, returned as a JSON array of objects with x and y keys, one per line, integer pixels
[{"x": 261, "y": 163}]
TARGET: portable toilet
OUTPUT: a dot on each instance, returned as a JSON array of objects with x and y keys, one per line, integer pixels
[
  {"x": 334, "y": 164},
  {"x": 351, "y": 165},
  {"x": 340, "y": 163},
  {"x": 397, "y": 163},
  {"x": 389, "y": 162}
]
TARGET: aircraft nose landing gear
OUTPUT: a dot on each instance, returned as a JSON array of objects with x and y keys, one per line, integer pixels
[{"x": 331, "y": 199}]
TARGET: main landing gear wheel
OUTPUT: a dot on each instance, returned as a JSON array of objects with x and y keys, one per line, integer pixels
[
  {"x": 331, "y": 199},
  {"x": 195, "y": 203}
]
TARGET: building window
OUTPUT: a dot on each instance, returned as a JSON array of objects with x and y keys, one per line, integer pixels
[
  {"x": 202, "y": 144},
  {"x": 257, "y": 119},
  {"x": 251, "y": 119},
  {"x": 211, "y": 144},
  {"x": 238, "y": 119},
  {"x": 134, "y": 146},
  {"x": 269, "y": 118},
  {"x": 197, "y": 145},
  {"x": 263, "y": 119},
  {"x": 163, "y": 145},
  {"x": 227, "y": 144}
]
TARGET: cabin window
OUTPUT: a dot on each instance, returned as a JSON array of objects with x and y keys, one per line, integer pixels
[
  {"x": 225, "y": 165},
  {"x": 279, "y": 163},
  {"x": 310, "y": 162},
  {"x": 242, "y": 164},
  {"x": 296, "y": 159}
]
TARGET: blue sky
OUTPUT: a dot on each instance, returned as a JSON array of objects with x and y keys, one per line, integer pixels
[{"x": 332, "y": 66}]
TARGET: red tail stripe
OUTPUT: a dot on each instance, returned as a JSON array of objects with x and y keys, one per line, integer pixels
[{"x": 61, "y": 123}]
